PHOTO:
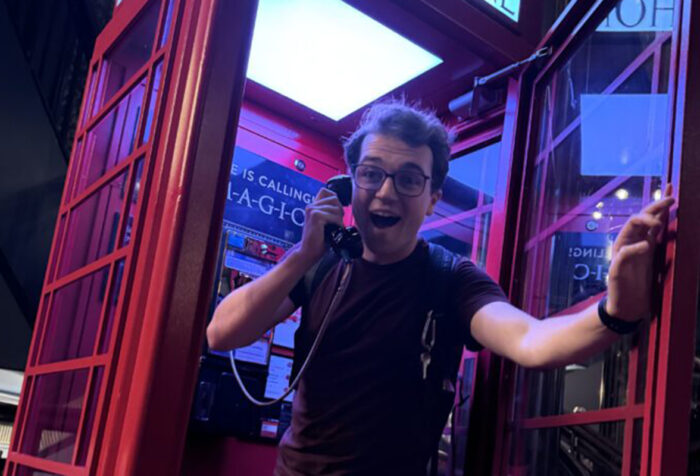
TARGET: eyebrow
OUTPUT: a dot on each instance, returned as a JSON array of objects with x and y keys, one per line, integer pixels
[{"x": 407, "y": 165}]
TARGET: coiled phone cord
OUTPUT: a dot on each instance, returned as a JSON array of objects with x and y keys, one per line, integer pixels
[{"x": 339, "y": 292}]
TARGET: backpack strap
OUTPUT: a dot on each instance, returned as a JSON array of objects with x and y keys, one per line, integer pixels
[
  {"x": 314, "y": 276},
  {"x": 312, "y": 279},
  {"x": 442, "y": 263},
  {"x": 445, "y": 350}
]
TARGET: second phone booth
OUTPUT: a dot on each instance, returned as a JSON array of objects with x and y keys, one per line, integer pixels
[{"x": 189, "y": 175}]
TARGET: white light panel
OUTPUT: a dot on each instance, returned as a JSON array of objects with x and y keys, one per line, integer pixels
[{"x": 329, "y": 56}]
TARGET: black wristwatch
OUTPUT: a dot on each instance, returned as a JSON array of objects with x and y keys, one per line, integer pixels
[{"x": 619, "y": 326}]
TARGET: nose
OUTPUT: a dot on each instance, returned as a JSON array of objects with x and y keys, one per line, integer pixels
[{"x": 387, "y": 190}]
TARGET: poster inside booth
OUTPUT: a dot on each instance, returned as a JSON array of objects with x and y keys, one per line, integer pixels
[{"x": 263, "y": 217}]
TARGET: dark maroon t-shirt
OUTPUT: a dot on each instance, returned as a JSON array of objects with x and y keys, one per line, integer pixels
[{"x": 358, "y": 406}]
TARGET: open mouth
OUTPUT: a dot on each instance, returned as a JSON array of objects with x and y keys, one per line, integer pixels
[{"x": 383, "y": 221}]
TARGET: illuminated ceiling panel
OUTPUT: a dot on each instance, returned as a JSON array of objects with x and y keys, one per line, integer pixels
[{"x": 329, "y": 56}]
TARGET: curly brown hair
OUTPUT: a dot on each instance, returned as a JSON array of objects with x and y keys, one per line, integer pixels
[{"x": 412, "y": 125}]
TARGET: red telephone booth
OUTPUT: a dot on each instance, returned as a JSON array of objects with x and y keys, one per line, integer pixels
[{"x": 537, "y": 195}]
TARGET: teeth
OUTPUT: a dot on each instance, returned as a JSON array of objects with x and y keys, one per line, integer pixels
[{"x": 383, "y": 214}]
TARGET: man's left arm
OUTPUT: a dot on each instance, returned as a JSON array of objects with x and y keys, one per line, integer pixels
[{"x": 554, "y": 342}]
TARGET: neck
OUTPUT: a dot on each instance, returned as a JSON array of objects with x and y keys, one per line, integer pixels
[{"x": 391, "y": 257}]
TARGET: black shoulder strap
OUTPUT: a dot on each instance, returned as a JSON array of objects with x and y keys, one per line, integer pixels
[
  {"x": 439, "y": 397},
  {"x": 442, "y": 263},
  {"x": 314, "y": 276}
]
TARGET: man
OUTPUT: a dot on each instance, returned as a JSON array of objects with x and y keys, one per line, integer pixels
[{"x": 359, "y": 408}]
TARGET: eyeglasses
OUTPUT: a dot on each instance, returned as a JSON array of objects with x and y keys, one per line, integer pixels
[{"x": 409, "y": 183}]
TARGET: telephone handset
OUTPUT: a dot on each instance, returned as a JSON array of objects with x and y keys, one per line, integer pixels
[{"x": 344, "y": 241}]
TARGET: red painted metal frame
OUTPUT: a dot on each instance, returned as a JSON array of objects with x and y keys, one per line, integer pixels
[
  {"x": 678, "y": 317},
  {"x": 674, "y": 417}
]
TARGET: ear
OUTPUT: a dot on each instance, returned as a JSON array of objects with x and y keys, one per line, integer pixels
[{"x": 434, "y": 198}]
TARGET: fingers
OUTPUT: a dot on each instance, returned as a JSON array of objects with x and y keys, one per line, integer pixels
[
  {"x": 324, "y": 213},
  {"x": 326, "y": 195},
  {"x": 639, "y": 248},
  {"x": 644, "y": 224},
  {"x": 661, "y": 206}
]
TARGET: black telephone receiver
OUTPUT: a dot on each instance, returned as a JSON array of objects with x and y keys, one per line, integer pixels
[{"x": 345, "y": 242}]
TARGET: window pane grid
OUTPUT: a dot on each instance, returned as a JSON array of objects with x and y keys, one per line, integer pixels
[
  {"x": 85, "y": 270},
  {"x": 586, "y": 174},
  {"x": 140, "y": 75}
]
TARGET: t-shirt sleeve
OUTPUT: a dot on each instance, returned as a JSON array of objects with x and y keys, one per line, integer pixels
[
  {"x": 298, "y": 293},
  {"x": 474, "y": 290}
]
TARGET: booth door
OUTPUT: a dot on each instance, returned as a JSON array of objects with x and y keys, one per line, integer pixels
[
  {"x": 113, "y": 355},
  {"x": 77, "y": 330},
  {"x": 602, "y": 140}
]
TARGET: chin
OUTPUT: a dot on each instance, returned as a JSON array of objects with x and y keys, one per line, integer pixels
[{"x": 386, "y": 242}]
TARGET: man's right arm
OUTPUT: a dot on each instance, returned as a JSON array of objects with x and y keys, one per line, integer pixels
[{"x": 247, "y": 312}]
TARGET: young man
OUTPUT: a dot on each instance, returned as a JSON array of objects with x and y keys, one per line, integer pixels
[{"x": 360, "y": 406}]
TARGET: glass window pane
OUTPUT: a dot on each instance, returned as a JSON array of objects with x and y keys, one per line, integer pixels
[
  {"x": 93, "y": 397},
  {"x": 463, "y": 215},
  {"x": 136, "y": 188},
  {"x": 40, "y": 321},
  {"x": 694, "y": 445},
  {"x": 157, "y": 85},
  {"x": 57, "y": 246},
  {"x": 74, "y": 318},
  {"x": 602, "y": 123},
  {"x": 92, "y": 230},
  {"x": 130, "y": 53},
  {"x": 637, "y": 436},
  {"x": 56, "y": 404},
  {"x": 598, "y": 383},
  {"x": 600, "y": 61},
  {"x": 73, "y": 172},
  {"x": 641, "y": 342},
  {"x": 27, "y": 471},
  {"x": 91, "y": 94},
  {"x": 112, "y": 139},
  {"x": 594, "y": 449},
  {"x": 167, "y": 24},
  {"x": 114, "y": 295}
]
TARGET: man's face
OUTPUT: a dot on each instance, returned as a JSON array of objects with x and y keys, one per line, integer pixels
[{"x": 388, "y": 221}]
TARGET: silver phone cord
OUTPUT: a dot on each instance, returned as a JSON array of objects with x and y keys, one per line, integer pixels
[{"x": 339, "y": 292}]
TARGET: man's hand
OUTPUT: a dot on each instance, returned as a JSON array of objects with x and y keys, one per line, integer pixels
[
  {"x": 324, "y": 210},
  {"x": 630, "y": 276}
]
